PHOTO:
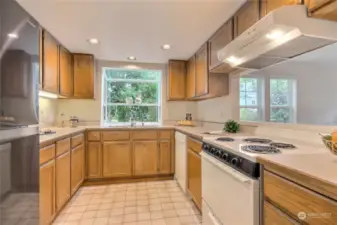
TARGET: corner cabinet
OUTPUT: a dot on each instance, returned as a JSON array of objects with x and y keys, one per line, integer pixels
[
  {"x": 66, "y": 73},
  {"x": 84, "y": 77},
  {"x": 201, "y": 71},
  {"x": 176, "y": 80}
]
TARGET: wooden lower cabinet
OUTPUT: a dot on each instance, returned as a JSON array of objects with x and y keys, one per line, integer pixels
[
  {"x": 94, "y": 160},
  {"x": 194, "y": 176},
  {"x": 165, "y": 157},
  {"x": 117, "y": 159},
  {"x": 62, "y": 180},
  {"x": 273, "y": 216},
  {"x": 145, "y": 158},
  {"x": 47, "y": 193},
  {"x": 77, "y": 167}
]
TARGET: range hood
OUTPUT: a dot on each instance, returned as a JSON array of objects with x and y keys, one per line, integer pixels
[{"x": 281, "y": 35}]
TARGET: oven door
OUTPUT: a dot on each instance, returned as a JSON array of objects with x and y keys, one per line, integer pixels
[{"x": 230, "y": 195}]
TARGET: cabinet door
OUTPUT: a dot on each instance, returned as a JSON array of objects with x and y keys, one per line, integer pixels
[
  {"x": 273, "y": 216},
  {"x": 77, "y": 168},
  {"x": 83, "y": 76},
  {"x": 315, "y": 4},
  {"x": 269, "y": 5},
  {"x": 327, "y": 12},
  {"x": 165, "y": 157},
  {"x": 246, "y": 16},
  {"x": 66, "y": 73},
  {"x": 176, "y": 80},
  {"x": 62, "y": 180},
  {"x": 194, "y": 176},
  {"x": 190, "y": 79},
  {"x": 50, "y": 64},
  {"x": 94, "y": 160},
  {"x": 47, "y": 193},
  {"x": 202, "y": 71},
  {"x": 218, "y": 41},
  {"x": 145, "y": 158},
  {"x": 117, "y": 161}
]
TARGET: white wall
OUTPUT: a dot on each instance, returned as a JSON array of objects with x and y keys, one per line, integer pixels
[{"x": 47, "y": 111}]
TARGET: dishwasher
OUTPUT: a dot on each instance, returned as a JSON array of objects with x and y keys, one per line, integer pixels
[{"x": 181, "y": 160}]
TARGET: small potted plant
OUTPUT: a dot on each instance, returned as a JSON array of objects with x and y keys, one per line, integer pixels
[{"x": 231, "y": 126}]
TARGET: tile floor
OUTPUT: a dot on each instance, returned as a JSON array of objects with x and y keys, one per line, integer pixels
[{"x": 146, "y": 203}]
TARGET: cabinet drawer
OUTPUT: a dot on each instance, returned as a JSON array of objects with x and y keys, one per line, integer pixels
[
  {"x": 292, "y": 198},
  {"x": 62, "y": 146},
  {"x": 144, "y": 135},
  {"x": 77, "y": 140},
  {"x": 273, "y": 216},
  {"x": 47, "y": 153},
  {"x": 165, "y": 134},
  {"x": 94, "y": 136},
  {"x": 115, "y": 135},
  {"x": 194, "y": 145}
]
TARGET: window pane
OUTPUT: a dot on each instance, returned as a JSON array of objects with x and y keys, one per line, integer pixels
[
  {"x": 249, "y": 114},
  {"x": 280, "y": 115},
  {"x": 279, "y": 92},
  {"x": 119, "y": 92},
  {"x": 122, "y": 113},
  {"x": 132, "y": 74},
  {"x": 248, "y": 84}
]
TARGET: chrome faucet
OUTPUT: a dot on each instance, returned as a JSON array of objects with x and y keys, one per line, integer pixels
[{"x": 132, "y": 121}]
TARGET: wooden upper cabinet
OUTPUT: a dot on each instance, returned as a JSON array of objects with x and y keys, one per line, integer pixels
[
  {"x": 165, "y": 157},
  {"x": 50, "y": 79},
  {"x": 47, "y": 193},
  {"x": 246, "y": 16},
  {"x": 273, "y": 216},
  {"x": 269, "y": 5},
  {"x": 117, "y": 161},
  {"x": 77, "y": 167},
  {"x": 218, "y": 41},
  {"x": 62, "y": 180},
  {"x": 66, "y": 73},
  {"x": 315, "y": 4},
  {"x": 145, "y": 158},
  {"x": 84, "y": 76},
  {"x": 176, "y": 80},
  {"x": 94, "y": 160},
  {"x": 201, "y": 71},
  {"x": 327, "y": 11},
  {"x": 190, "y": 79}
]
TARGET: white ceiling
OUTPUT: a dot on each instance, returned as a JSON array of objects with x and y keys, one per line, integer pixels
[{"x": 132, "y": 27}]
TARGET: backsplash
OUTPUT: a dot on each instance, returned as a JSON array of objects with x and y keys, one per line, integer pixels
[{"x": 47, "y": 111}]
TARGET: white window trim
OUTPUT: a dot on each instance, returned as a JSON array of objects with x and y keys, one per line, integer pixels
[{"x": 104, "y": 96}]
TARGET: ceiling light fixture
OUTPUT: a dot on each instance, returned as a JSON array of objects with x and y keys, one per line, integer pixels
[
  {"x": 13, "y": 35},
  {"x": 233, "y": 60},
  {"x": 275, "y": 34},
  {"x": 166, "y": 47},
  {"x": 47, "y": 94},
  {"x": 93, "y": 41},
  {"x": 132, "y": 58}
]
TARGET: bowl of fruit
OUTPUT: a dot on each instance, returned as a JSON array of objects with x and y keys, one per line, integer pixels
[{"x": 330, "y": 141}]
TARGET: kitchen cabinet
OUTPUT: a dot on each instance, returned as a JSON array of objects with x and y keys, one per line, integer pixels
[
  {"x": 50, "y": 78},
  {"x": 94, "y": 160},
  {"x": 117, "y": 160},
  {"x": 77, "y": 167},
  {"x": 190, "y": 78},
  {"x": 165, "y": 157},
  {"x": 246, "y": 16},
  {"x": 47, "y": 193},
  {"x": 323, "y": 9},
  {"x": 62, "y": 186},
  {"x": 66, "y": 73},
  {"x": 273, "y": 216},
  {"x": 269, "y": 5},
  {"x": 83, "y": 76},
  {"x": 176, "y": 80},
  {"x": 201, "y": 70},
  {"x": 218, "y": 41},
  {"x": 145, "y": 158}
]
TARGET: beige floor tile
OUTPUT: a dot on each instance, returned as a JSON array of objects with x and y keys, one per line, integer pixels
[
  {"x": 166, "y": 206},
  {"x": 159, "y": 222},
  {"x": 103, "y": 213},
  {"x": 93, "y": 207},
  {"x": 105, "y": 206},
  {"x": 186, "y": 220},
  {"x": 89, "y": 215},
  {"x": 117, "y": 211},
  {"x": 155, "y": 207},
  {"x": 143, "y": 209},
  {"x": 101, "y": 221},
  {"x": 130, "y": 203},
  {"x": 74, "y": 217},
  {"x": 143, "y": 216},
  {"x": 130, "y": 218},
  {"x": 172, "y": 221},
  {"x": 145, "y": 222},
  {"x": 157, "y": 215},
  {"x": 169, "y": 213},
  {"x": 86, "y": 221},
  {"x": 116, "y": 219},
  {"x": 71, "y": 223},
  {"x": 130, "y": 210}
]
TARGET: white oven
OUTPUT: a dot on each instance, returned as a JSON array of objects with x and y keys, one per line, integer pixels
[{"x": 229, "y": 197}]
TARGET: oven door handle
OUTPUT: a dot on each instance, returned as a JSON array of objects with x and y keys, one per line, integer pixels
[{"x": 214, "y": 221}]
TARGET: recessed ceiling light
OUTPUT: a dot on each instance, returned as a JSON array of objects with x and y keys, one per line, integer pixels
[
  {"x": 13, "y": 35},
  {"x": 132, "y": 58},
  {"x": 93, "y": 41},
  {"x": 166, "y": 47}
]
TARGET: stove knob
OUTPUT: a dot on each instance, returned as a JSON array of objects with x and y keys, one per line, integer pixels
[
  {"x": 235, "y": 161},
  {"x": 224, "y": 156},
  {"x": 206, "y": 147},
  {"x": 213, "y": 150},
  {"x": 218, "y": 153}
]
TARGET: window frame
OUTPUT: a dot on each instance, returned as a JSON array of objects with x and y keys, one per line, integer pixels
[{"x": 105, "y": 104}]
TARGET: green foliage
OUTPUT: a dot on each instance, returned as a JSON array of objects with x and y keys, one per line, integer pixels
[{"x": 232, "y": 127}]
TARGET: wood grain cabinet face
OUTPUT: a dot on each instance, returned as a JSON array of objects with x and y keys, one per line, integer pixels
[
  {"x": 273, "y": 216},
  {"x": 194, "y": 176},
  {"x": 315, "y": 4},
  {"x": 47, "y": 193},
  {"x": 62, "y": 180},
  {"x": 66, "y": 73},
  {"x": 62, "y": 146},
  {"x": 326, "y": 11},
  {"x": 165, "y": 157},
  {"x": 77, "y": 167},
  {"x": 83, "y": 76},
  {"x": 117, "y": 160},
  {"x": 269, "y": 5},
  {"x": 246, "y": 16},
  {"x": 50, "y": 81},
  {"x": 145, "y": 158},
  {"x": 201, "y": 71},
  {"x": 190, "y": 79},
  {"x": 94, "y": 160},
  {"x": 176, "y": 80},
  {"x": 94, "y": 136}
]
